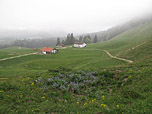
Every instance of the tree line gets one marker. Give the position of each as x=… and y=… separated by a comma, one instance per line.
x=70, y=39
x=38, y=43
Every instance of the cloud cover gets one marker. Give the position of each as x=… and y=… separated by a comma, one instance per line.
x=78, y=16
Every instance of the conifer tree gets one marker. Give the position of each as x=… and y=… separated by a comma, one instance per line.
x=95, y=39
x=58, y=41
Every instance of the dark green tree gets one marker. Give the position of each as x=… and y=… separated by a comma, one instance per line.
x=67, y=42
x=70, y=39
x=58, y=41
x=63, y=42
x=87, y=39
x=81, y=39
x=95, y=40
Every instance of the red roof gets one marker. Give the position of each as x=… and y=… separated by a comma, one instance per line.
x=46, y=49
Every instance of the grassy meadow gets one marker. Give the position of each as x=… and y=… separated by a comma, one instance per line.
x=81, y=81
x=14, y=51
x=70, y=57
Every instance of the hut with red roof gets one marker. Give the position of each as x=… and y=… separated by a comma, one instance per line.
x=46, y=50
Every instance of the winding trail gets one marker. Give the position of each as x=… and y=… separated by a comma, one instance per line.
x=139, y=45
x=133, y=48
x=122, y=59
x=17, y=56
x=118, y=58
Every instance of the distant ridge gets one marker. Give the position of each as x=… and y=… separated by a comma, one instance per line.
x=119, y=29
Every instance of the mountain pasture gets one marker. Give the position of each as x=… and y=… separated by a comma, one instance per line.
x=81, y=80
x=70, y=58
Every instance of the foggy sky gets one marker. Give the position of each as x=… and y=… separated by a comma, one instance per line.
x=78, y=16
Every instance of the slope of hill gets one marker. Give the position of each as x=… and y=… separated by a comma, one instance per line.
x=133, y=44
x=119, y=29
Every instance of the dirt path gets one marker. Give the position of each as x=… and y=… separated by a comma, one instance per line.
x=133, y=48
x=122, y=59
x=17, y=56
x=139, y=45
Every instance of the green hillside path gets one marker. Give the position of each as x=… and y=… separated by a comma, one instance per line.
x=17, y=56
x=122, y=59
x=118, y=58
x=133, y=48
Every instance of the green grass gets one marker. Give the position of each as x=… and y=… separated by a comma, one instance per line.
x=76, y=59
x=14, y=51
x=116, y=87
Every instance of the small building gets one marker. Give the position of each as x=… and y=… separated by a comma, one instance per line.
x=47, y=50
x=60, y=45
x=79, y=44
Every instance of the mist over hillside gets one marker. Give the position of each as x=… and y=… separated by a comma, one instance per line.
x=116, y=30
x=40, y=38
x=29, y=34
x=29, y=38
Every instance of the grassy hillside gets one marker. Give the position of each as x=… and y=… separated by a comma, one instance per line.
x=81, y=81
x=133, y=44
x=119, y=29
